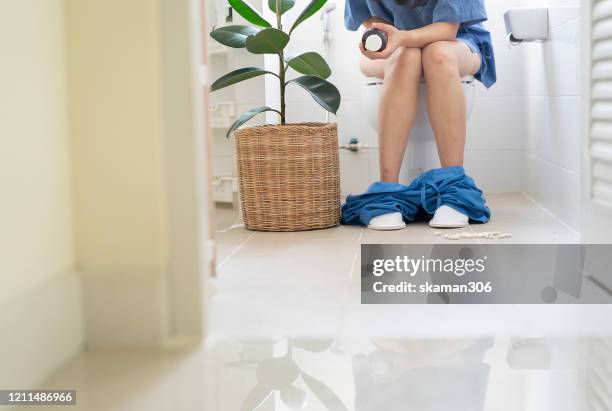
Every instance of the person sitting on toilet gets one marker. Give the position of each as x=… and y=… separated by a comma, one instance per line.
x=440, y=41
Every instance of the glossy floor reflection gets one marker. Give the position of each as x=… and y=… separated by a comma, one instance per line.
x=296, y=372
x=293, y=373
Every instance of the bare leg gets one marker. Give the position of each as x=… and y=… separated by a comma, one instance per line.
x=444, y=63
x=402, y=73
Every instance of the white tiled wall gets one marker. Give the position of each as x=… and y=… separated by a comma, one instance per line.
x=552, y=146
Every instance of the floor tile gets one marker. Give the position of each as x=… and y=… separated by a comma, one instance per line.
x=225, y=216
x=269, y=257
x=531, y=232
x=229, y=241
x=335, y=233
x=296, y=269
x=415, y=233
x=515, y=207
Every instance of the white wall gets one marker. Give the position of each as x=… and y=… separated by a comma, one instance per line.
x=36, y=233
x=140, y=168
x=116, y=108
x=552, y=157
x=39, y=291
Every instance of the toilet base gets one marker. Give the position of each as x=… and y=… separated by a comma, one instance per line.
x=421, y=156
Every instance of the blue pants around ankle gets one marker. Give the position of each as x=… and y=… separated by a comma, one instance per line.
x=444, y=186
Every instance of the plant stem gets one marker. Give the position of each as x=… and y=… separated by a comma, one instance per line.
x=281, y=68
x=281, y=64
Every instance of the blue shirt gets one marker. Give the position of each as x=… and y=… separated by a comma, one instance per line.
x=468, y=13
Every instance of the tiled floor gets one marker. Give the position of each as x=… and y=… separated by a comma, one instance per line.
x=363, y=374
x=290, y=271
x=512, y=213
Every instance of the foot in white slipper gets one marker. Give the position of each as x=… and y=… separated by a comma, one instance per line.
x=388, y=222
x=446, y=217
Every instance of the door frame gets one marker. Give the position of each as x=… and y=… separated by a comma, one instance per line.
x=188, y=170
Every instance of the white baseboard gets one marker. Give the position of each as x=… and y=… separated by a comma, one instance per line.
x=124, y=310
x=40, y=331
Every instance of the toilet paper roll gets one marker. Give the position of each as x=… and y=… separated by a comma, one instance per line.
x=513, y=41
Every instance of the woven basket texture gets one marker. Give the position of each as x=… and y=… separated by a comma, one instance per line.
x=289, y=176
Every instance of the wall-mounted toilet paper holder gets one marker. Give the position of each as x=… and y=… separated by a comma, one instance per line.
x=527, y=24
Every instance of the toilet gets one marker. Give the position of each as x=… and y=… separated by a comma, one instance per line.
x=421, y=154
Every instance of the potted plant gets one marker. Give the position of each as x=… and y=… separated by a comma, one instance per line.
x=289, y=174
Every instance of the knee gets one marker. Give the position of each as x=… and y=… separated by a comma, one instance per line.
x=439, y=57
x=406, y=60
x=368, y=70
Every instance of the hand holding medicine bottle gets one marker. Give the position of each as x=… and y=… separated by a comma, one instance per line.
x=380, y=40
x=374, y=40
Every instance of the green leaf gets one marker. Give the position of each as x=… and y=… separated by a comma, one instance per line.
x=234, y=36
x=267, y=41
x=246, y=117
x=237, y=76
x=324, y=92
x=310, y=64
x=284, y=5
x=312, y=8
x=249, y=13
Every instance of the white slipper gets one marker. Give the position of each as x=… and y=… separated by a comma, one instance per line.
x=388, y=222
x=446, y=217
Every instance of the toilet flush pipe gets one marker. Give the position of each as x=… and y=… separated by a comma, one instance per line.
x=355, y=148
x=327, y=36
x=325, y=18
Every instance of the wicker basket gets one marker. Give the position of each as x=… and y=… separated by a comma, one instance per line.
x=289, y=176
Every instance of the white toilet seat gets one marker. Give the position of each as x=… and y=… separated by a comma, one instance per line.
x=375, y=81
x=372, y=87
